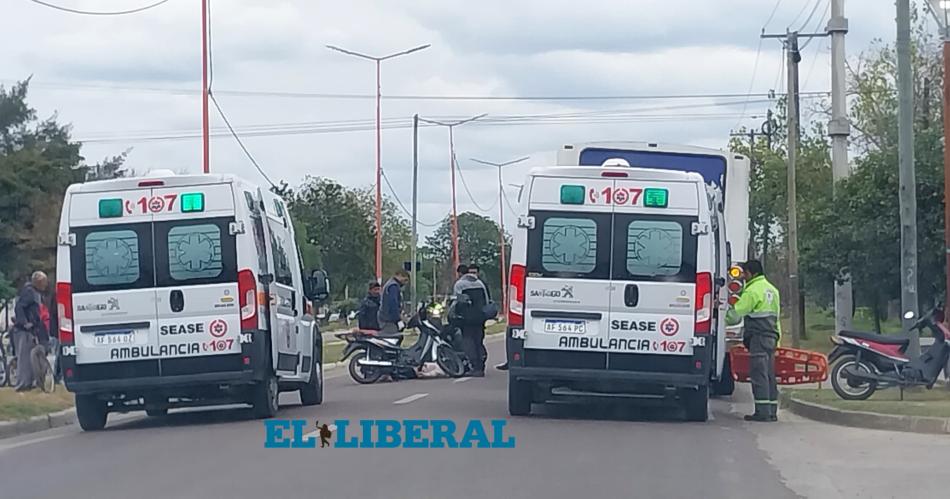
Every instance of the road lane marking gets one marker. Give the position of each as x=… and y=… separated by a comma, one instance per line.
x=4, y=448
x=461, y=380
x=411, y=398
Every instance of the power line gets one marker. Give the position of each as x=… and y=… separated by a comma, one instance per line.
x=508, y=201
x=817, y=26
x=458, y=168
x=810, y=15
x=240, y=142
x=403, y=206
x=99, y=13
x=797, y=17
x=778, y=3
x=755, y=69
x=423, y=97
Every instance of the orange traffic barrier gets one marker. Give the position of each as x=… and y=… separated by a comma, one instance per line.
x=792, y=366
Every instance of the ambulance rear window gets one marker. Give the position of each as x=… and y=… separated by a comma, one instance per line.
x=112, y=257
x=194, y=252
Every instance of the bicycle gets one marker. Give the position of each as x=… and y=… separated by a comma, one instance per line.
x=7, y=360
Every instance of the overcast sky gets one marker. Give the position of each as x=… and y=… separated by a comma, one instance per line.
x=479, y=48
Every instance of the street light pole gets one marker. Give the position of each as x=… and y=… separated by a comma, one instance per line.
x=501, y=229
x=941, y=12
x=379, y=167
x=455, y=224
x=205, y=127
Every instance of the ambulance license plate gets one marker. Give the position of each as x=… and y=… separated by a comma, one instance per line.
x=569, y=327
x=118, y=338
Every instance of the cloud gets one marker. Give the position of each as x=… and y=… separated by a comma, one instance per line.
x=553, y=47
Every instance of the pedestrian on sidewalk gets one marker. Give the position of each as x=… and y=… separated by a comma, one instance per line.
x=29, y=329
x=760, y=306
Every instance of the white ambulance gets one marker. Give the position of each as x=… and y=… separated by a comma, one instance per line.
x=183, y=290
x=616, y=287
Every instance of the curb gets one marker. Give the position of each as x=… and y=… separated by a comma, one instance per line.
x=862, y=419
x=37, y=423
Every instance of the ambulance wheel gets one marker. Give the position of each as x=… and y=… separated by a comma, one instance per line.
x=725, y=385
x=312, y=392
x=519, y=397
x=264, y=397
x=91, y=412
x=696, y=403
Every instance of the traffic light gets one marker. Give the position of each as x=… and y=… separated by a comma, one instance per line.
x=736, y=284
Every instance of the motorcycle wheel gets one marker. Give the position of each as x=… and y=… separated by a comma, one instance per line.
x=364, y=375
x=847, y=389
x=449, y=361
x=3, y=371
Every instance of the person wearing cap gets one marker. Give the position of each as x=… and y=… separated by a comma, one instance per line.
x=760, y=306
x=369, y=308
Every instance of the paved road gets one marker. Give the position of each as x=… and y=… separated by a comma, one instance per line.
x=612, y=451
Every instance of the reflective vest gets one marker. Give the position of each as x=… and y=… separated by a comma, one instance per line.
x=761, y=307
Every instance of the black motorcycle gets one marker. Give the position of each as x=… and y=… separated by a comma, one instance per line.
x=865, y=362
x=373, y=356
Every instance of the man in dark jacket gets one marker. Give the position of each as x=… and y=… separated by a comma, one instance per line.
x=369, y=308
x=390, y=305
x=473, y=317
x=29, y=329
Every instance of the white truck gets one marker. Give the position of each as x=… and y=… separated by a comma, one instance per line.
x=726, y=170
x=183, y=290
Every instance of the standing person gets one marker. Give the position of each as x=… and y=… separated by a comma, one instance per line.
x=473, y=317
x=368, y=313
x=390, y=305
x=759, y=305
x=29, y=328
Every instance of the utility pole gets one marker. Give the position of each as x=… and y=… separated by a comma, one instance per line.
x=501, y=228
x=455, y=223
x=839, y=128
x=941, y=12
x=908, y=184
x=379, y=164
x=794, y=56
x=205, y=130
x=415, y=208
x=795, y=288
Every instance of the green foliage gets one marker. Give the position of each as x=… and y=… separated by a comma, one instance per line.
x=478, y=243
x=38, y=160
x=7, y=291
x=857, y=227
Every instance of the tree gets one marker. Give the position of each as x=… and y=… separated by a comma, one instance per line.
x=334, y=222
x=478, y=243
x=860, y=230
x=38, y=160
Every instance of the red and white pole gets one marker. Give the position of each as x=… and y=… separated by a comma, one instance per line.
x=501, y=237
x=379, y=175
x=205, y=137
x=455, y=220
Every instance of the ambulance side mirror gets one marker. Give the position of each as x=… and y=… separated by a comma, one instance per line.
x=318, y=286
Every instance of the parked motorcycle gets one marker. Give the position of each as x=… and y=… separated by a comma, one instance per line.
x=373, y=356
x=865, y=362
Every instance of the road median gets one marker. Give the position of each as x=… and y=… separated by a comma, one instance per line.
x=917, y=416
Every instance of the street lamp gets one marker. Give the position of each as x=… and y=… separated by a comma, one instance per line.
x=941, y=12
x=501, y=228
x=455, y=223
x=379, y=168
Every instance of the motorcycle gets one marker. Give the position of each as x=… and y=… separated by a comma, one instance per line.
x=864, y=362
x=373, y=356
